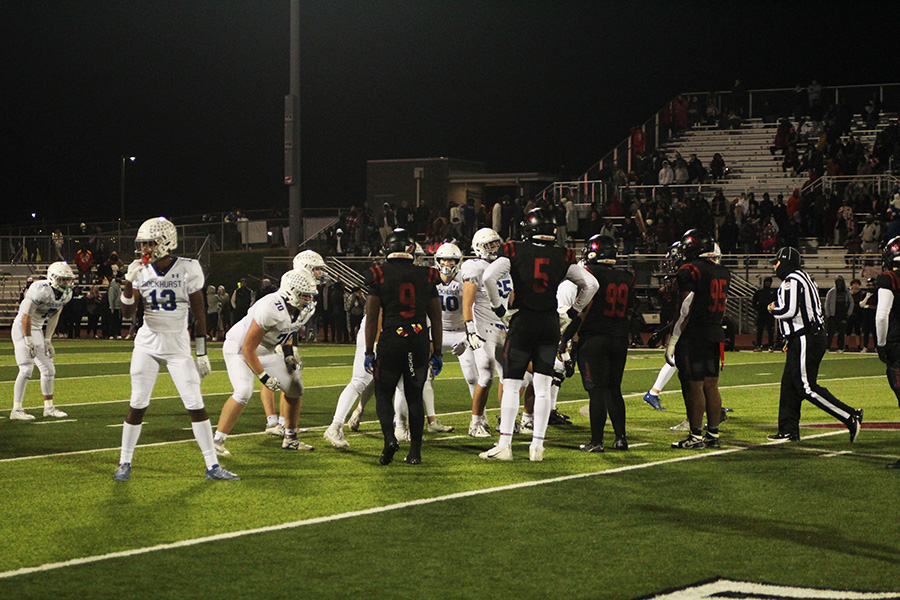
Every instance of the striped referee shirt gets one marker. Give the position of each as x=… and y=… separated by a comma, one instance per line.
x=798, y=308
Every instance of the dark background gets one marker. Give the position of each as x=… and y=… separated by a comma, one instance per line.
x=195, y=89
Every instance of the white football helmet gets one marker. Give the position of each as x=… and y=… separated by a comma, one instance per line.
x=60, y=276
x=161, y=237
x=448, y=252
x=715, y=255
x=298, y=288
x=310, y=261
x=485, y=243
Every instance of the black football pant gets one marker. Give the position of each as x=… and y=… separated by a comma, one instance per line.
x=601, y=362
x=893, y=368
x=798, y=383
x=403, y=358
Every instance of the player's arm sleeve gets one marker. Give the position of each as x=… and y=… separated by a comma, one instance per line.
x=198, y=308
x=686, y=301
x=496, y=271
x=587, y=286
x=882, y=315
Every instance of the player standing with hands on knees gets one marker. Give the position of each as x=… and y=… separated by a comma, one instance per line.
x=167, y=286
x=403, y=295
x=798, y=311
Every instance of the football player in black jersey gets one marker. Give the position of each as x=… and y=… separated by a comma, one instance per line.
x=403, y=294
x=695, y=346
x=603, y=341
x=887, y=318
x=536, y=266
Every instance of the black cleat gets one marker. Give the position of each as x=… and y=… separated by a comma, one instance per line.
x=620, y=444
x=691, y=442
x=387, y=455
x=557, y=418
x=791, y=437
x=711, y=441
x=413, y=460
x=855, y=424
x=591, y=447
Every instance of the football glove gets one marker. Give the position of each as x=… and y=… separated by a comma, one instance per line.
x=49, y=350
x=269, y=381
x=499, y=311
x=882, y=353
x=29, y=346
x=370, y=363
x=437, y=364
x=459, y=348
x=475, y=340
x=292, y=359
x=203, y=366
x=133, y=270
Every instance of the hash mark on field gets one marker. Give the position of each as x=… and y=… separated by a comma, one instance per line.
x=371, y=511
x=123, y=424
x=54, y=421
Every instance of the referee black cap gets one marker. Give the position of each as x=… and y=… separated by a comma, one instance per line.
x=787, y=255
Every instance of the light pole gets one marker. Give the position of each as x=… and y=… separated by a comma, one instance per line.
x=122, y=196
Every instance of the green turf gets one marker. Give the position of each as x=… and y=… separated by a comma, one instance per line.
x=616, y=525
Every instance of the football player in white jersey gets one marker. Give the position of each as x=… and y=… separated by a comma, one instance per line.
x=251, y=352
x=311, y=262
x=168, y=286
x=41, y=306
x=485, y=331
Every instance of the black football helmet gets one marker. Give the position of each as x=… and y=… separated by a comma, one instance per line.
x=399, y=245
x=695, y=242
x=539, y=226
x=890, y=254
x=600, y=249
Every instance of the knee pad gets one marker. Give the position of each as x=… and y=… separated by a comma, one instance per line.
x=26, y=370
x=486, y=379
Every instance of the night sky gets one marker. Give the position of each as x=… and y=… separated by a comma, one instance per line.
x=194, y=88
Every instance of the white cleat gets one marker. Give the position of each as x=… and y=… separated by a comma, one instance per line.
x=353, y=423
x=497, y=453
x=18, y=414
x=437, y=427
x=292, y=443
x=54, y=412
x=683, y=426
x=276, y=430
x=220, y=449
x=478, y=430
x=402, y=434
x=535, y=453
x=335, y=435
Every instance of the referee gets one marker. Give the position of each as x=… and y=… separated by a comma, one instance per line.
x=798, y=311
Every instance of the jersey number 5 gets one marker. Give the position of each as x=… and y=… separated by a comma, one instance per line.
x=541, y=278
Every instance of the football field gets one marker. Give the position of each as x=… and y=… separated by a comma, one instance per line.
x=821, y=513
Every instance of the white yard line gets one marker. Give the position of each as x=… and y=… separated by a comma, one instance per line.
x=370, y=511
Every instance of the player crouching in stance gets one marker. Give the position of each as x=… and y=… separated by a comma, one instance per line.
x=251, y=352
x=41, y=305
x=404, y=295
x=167, y=286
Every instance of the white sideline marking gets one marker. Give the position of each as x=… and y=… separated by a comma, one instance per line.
x=54, y=421
x=123, y=424
x=370, y=511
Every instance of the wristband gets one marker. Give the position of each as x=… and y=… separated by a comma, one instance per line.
x=126, y=301
x=200, y=345
x=263, y=377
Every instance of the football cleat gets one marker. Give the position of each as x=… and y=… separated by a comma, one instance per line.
x=855, y=424
x=276, y=430
x=387, y=454
x=123, y=472
x=591, y=447
x=497, y=453
x=220, y=448
x=791, y=437
x=52, y=411
x=437, y=427
x=413, y=460
x=217, y=472
x=711, y=441
x=691, y=442
x=653, y=400
x=527, y=422
x=478, y=430
x=535, y=453
x=557, y=418
x=335, y=435
x=18, y=414
x=402, y=434
x=292, y=443
x=683, y=426
x=620, y=444
x=353, y=423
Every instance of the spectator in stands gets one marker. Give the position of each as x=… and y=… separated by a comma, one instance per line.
x=387, y=221
x=790, y=165
x=768, y=236
x=680, y=114
x=338, y=314
x=845, y=224
x=666, y=174
x=84, y=260
x=800, y=102
x=630, y=234
x=781, y=136
x=324, y=310
x=355, y=307
x=731, y=120
x=638, y=141
x=75, y=313
x=793, y=205
x=212, y=313
x=837, y=309
x=696, y=171
x=608, y=229
x=854, y=323
x=868, y=305
x=717, y=167
x=224, y=301
x=113, y=325
x=58, y=243
x=871, y=234
x=571, y=217
x=351, y=229
x=712, y=109
x=728, y=234
x=593, y=225
x=241, y=300
x=872, y=112
x=814, y=94
x=681, y=173
x=92, y=309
